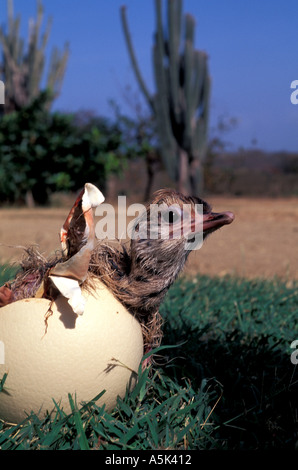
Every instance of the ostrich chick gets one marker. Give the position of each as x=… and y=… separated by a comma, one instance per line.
x=139, y=277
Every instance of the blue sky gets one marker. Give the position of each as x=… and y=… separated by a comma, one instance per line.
x=253, y=58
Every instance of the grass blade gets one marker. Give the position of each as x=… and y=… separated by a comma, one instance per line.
x=83, y=441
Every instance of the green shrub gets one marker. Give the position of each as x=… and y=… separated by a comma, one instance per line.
x=43, y=152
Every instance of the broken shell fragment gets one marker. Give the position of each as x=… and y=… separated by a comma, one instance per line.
x=78, y=241
x=78, y=227
x=71, y=290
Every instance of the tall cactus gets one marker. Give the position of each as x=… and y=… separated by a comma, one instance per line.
x=22, y=71
x=181, y=102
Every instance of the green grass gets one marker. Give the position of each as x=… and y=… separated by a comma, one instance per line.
x=222, y=380
x=7, y=272
x=239, y=332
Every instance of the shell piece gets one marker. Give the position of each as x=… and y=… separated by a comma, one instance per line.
x=77, y=239
x=90, y=197
x=71, y=290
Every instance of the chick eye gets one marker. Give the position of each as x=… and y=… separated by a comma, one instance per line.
x=171, y=216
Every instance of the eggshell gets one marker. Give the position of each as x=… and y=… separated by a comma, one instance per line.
x=81, y=355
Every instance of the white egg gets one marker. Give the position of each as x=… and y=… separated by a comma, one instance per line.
x=77, y=354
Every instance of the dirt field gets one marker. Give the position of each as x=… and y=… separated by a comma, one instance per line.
x=261, y=242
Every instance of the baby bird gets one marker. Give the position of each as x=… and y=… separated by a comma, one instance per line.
x=140, y=276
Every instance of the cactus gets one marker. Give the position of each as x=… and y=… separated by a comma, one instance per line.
x=181, y=102
x=22, y=71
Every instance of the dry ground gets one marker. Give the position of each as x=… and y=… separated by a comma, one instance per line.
x=261, y=242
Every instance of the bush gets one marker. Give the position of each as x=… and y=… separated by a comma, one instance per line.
x=43, y=152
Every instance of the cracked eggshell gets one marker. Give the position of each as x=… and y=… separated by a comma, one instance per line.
x=81, y=355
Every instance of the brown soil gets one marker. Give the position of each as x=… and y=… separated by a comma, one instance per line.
x=261, y=242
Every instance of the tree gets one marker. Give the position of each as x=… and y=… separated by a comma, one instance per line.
x=180, y=104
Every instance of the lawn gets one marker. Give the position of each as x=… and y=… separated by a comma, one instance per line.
x=223, y=378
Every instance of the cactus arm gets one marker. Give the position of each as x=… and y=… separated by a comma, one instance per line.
x=174, y=22
x=133, y=59
x=162, y=101
x=167, y=141
x=58, y=62
x=189, y=28
x=35, y=57
x=200, y=72
x=188, y=95
x=191, y=88
x=200, y=135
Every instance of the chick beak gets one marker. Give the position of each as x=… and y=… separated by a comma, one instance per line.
x=210, y=221
x=214, y=220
